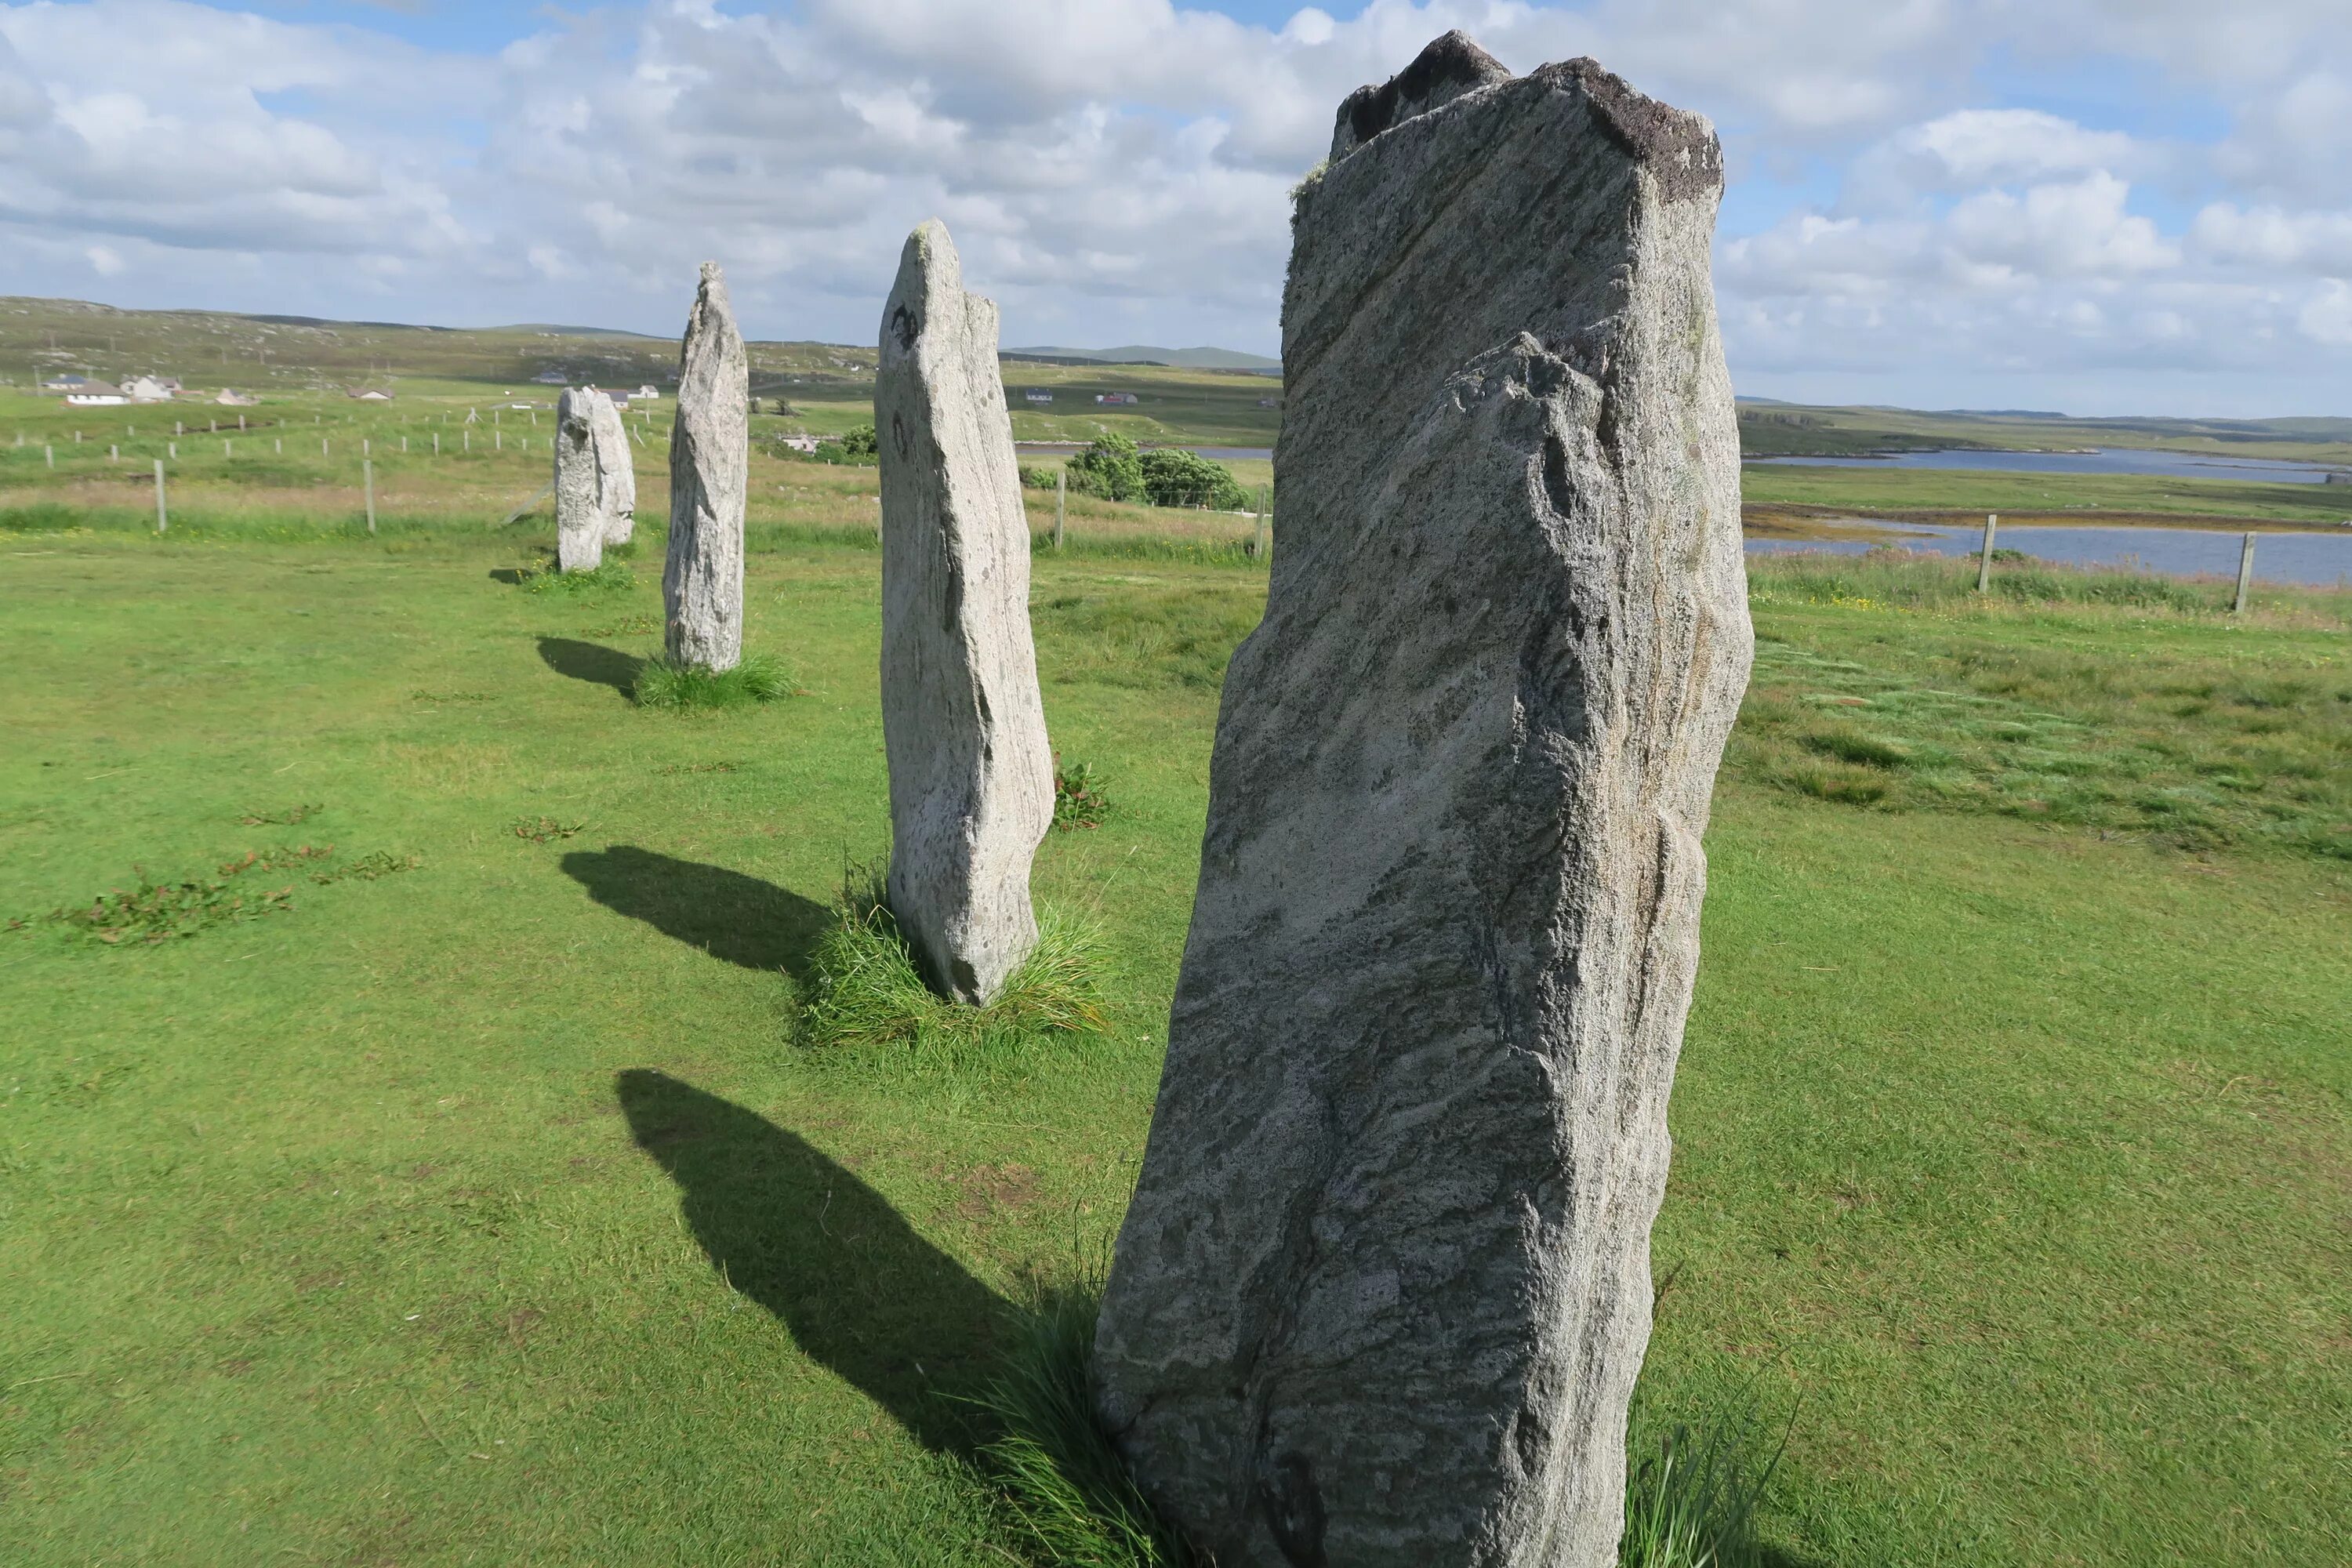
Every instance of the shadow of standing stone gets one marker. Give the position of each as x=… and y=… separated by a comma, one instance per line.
x=804, y=1238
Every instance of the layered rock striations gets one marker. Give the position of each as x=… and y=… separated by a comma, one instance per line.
x=971, y=775
x=702, y=578
x=1384, y=1287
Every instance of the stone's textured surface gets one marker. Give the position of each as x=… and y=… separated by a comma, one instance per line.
x=1384, y=1286
x=709, y=454
x=596, y=483
x=1442, y=73
x=616, y=472
x=579, y=493
x=971, y=775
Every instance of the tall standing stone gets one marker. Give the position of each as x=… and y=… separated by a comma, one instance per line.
x=971, y=775
x=709, y=454
x=580, y=521
x=616, y=473
x=1384, y=1287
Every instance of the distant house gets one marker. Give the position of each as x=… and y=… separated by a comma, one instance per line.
x=236, y=399
x=648, y=393
x=371, y=394
x=70, y=383
x=1116, y=397
x=802, y=443
x=1034, y=395
x=94, y=394
x=551, y=378
x=151, y=389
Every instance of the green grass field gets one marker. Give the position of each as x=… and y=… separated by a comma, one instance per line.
x=486, y=1203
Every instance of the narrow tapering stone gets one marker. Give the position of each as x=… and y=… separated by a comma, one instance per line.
x=579, y=491
x=971, y=775
x=1384, y=1287
x=702, y=578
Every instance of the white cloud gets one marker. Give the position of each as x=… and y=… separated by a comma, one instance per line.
x=104, y=261
x=2327, y=316
x=2069, y=230
x=2272, y=236
x=1118, y=170
x=1972, y=147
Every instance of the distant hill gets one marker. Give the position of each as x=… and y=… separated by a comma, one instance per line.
x=282, y=353
x=549, y=330
x=1144, y=353
x=1770, y=428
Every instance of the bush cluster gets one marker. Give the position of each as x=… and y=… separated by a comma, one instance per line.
x=1111, y=468
x=1114, y=469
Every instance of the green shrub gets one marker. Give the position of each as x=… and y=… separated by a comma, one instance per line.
x=1174, y=476
x=1078, y=798
x=681, y=688
x=40, y=517
x=1111, y=468
x=860, y=445
x=1038, y=479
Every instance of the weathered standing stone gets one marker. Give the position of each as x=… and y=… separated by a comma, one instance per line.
x=971, y=775
x=616, y=474
x=1384, y=1286
x=579, y=490
x=709, y=453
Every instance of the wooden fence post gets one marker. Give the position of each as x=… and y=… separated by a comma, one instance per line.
x=1061, y=504
x=2245, y=573
x=367, y=482
x=1258, y=547
x=162, y=513
x=1984, y=558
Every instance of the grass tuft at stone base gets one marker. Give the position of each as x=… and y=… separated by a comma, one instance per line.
x=690, y=688
x=612, y=577
x=869, y=992
x=1063, y=1491
x=1694, y=1487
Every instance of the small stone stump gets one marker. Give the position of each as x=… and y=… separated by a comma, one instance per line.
x=580, y=520
x=971, y=775
x=1384, y=1287
x=709, y=456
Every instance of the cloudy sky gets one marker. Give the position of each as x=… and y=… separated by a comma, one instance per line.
x=2099, y=205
